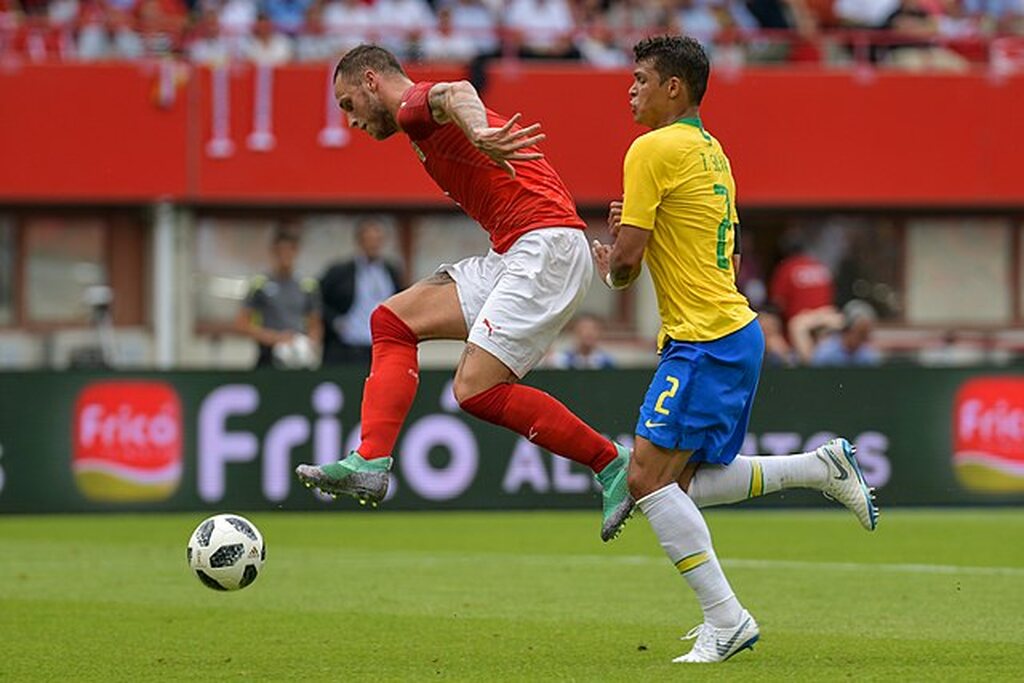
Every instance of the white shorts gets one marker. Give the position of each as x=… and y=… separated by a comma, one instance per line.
x=516, y=303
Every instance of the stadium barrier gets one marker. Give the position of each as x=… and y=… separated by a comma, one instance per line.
x=241, y=135
x=215, y=441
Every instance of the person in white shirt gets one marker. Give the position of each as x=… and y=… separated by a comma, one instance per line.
x=267, y=45
x=445, y=44
x=543, y=28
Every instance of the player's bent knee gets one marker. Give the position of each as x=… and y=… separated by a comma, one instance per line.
x=465, y=388
x=386, y=325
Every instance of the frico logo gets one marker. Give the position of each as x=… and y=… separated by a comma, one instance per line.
x=127, y=441
x=988, y=439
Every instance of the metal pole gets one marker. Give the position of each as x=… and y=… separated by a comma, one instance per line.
x=164, y=258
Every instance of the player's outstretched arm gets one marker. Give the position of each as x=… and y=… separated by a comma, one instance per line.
x=458, y=102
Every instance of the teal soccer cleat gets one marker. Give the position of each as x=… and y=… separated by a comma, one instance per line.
x=364, y=480
x=617, y=503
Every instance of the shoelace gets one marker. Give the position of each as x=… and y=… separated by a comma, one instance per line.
x=693, y=632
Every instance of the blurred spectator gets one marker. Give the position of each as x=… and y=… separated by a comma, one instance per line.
x=60, y=12
x=800, y=282
x=347, y=23
x=474, y=19
x=705, y=19
x=402, y=23
x=586, y=352
x=206, y=46
x=126, y=43
x=632, y=19
x=806, y=329
x=237, y=19
x=267, y=46
x=159, y=24
x=599, y=47
x=852, y=344
x=312, y=44
x=956, y=350
x=542, y=29
x=444, y=44
x=750, y=278
x=777, y=351
x=93, y=37
x=288, y=16
x=864, y=13
x=280, y=306
x=698, y=19
x=919, y=20
x=351, y=290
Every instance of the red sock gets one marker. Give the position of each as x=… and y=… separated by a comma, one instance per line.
x=542, y=419
x=391, y=385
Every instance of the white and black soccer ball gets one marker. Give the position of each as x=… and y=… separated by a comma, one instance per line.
x=226, y=552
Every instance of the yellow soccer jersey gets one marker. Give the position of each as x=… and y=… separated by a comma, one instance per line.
x=678, y=184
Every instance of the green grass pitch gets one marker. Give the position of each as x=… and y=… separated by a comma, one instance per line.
x=933, y=595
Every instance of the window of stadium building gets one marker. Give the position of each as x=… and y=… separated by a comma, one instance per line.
x=64, y=257
x=863, y=255
x=6, y=271
x=230, y=250
x=444, y=239
x=959, y=271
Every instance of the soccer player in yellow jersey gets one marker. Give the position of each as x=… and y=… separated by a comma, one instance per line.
x=678, y=214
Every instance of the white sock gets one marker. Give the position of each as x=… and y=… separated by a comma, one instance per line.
x=753, y=476
x=686, y=540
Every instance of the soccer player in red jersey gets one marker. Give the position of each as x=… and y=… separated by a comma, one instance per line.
x=508, y=305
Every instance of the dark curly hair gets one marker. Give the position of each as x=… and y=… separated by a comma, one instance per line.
x=679, y=56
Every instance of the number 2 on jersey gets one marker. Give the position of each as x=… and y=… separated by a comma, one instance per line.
x=659, y=407
x=724, y=227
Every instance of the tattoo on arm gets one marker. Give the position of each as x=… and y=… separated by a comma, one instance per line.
x=438, y=279
x=458, y=102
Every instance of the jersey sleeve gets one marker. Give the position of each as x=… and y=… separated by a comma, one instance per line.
x=311, y=300
x=414, y=116
x=642, y=185
x=255, y=298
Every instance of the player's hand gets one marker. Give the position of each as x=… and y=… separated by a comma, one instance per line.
x=602, y=257
x=614, y=218
x=503, y=145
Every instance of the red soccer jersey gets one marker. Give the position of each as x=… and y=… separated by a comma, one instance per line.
x=801, y=283
x=506, y=207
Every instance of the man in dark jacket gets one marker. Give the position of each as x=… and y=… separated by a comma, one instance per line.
x=350, y=290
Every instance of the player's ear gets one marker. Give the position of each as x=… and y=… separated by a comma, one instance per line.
x=370, y=80
x=676, y=87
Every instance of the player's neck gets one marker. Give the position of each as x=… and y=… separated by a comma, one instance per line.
x=679, y=115
x=391, y=93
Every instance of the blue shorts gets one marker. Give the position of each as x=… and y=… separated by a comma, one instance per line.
x=702, y=393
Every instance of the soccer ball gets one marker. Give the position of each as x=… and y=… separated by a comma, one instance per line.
x=226, y=552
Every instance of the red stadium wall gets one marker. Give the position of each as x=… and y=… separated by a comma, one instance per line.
x=137, y=132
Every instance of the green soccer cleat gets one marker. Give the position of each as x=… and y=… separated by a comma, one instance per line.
x=364, y=480
x=617, y=503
